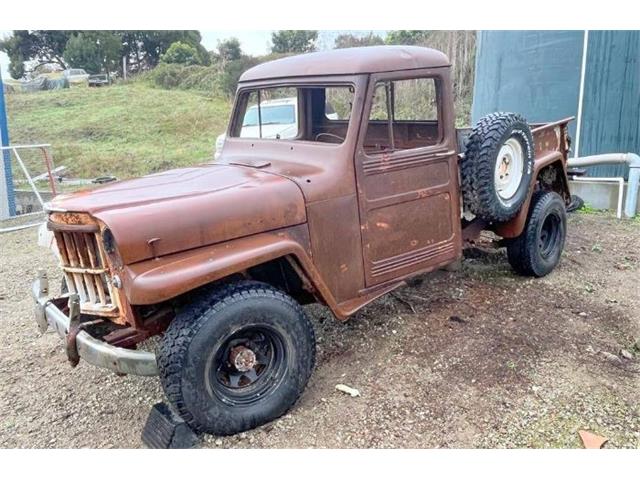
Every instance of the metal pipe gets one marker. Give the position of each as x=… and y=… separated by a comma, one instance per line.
x=631, y=159
x=19, y=227
x=37, y=145
x=26, y=173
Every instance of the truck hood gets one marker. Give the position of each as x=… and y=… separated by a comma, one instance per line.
x=188, y=208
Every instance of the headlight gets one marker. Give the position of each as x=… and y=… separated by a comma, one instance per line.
x=108, y=241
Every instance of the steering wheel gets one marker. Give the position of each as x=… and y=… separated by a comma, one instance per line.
x=330, y=135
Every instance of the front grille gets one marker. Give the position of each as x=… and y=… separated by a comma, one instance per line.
x=85, y=270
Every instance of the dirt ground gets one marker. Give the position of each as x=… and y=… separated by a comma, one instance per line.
x=473, y=358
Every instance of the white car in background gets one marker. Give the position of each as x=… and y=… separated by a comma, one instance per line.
x=76, y=76
x=279, y=119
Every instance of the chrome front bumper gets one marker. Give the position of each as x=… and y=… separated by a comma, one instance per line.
x=90, y=349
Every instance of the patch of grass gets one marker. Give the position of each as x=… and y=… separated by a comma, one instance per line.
x=586, y=208
x=124, y=130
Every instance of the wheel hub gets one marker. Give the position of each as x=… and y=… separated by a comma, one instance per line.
x=242, y=358
x=509, y=169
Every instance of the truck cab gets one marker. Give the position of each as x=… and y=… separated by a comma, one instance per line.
x=371, y=184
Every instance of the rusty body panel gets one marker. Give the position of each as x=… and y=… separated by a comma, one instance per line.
x=206, y=205
x=551, y=142
x=408, y=199
x=349, y=61
x=353, y=225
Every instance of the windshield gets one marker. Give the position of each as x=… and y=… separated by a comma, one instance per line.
x=271, y=115
x=312, y=113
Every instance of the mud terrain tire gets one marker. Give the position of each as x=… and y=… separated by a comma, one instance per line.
x=537, y=250
x=497, y=167
x=236, y=358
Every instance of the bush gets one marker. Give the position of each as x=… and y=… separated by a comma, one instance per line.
x=220, y=79
x=227, y=81
x=184, y=77
x=182, y=53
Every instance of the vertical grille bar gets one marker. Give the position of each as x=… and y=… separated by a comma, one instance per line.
x=93, y=254
x=74, y=262
x=62, y=250
x=83, y=258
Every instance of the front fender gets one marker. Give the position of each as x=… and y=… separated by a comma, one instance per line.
x=160, y=279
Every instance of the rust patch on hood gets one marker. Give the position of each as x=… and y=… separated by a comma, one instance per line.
x=188, y=208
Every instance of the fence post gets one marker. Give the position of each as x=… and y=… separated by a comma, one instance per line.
x=7, y=195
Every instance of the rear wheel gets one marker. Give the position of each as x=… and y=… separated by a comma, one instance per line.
x=236, y=358
x=537, y=250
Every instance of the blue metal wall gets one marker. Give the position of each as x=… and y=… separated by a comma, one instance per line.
x=537, y=73
x=6, y=156
x=611, y=105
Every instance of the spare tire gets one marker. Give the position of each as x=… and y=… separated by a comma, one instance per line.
x=497, y=166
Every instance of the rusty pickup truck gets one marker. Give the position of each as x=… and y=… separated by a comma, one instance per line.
x=340, y=177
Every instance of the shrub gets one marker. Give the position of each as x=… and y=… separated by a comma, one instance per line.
x=182, y=53
x=218, y=79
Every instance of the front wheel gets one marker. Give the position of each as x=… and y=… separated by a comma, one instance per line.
x=236, y=358
x=537, y=250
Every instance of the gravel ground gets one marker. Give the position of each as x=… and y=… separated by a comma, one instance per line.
x=472, y=358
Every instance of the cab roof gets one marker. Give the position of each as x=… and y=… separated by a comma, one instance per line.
x=349, y=61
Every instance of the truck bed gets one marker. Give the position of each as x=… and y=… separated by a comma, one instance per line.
x=543, y=133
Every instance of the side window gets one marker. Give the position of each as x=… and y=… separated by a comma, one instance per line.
x=415, y=100
x=379, y=105
x=404, y=115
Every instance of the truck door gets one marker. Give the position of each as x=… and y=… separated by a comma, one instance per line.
x=407, y=175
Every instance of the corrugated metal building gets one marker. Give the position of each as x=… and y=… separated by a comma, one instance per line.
x=539, y=74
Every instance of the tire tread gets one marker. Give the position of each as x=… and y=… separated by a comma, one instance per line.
x=520, y=250
x=477, y=167
x=172, y=353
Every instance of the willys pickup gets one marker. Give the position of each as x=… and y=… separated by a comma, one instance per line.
x=366, y=184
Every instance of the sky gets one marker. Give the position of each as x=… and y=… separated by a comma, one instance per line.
x=254, y=42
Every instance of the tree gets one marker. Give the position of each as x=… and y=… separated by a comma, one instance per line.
x=347, y=40
x=143, y=48
x=110, y=49
x=94, y=51
x=11, y=46
x=294, y=41
x=460, y=47
x=406, y=37
x=82, y=52
x=230, y=74
x=229, y=50
x=40, y=46
x=180, y=52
